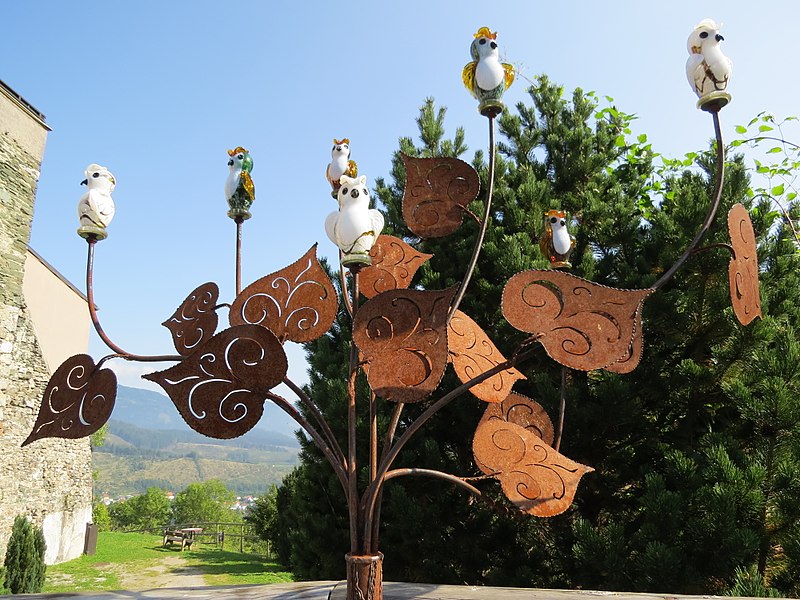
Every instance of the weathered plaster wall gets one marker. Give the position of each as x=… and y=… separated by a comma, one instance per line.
x=50, y=480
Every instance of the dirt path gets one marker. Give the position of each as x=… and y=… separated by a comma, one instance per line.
x=172, y=571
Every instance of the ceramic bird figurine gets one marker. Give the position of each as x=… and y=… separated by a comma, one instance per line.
x=708, y=69
x=96, y=207
x=239, y=189
x=340, y=164
x=556, y=243
x=355, y=226
x=486, y=77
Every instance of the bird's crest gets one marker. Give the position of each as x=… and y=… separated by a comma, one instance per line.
x=341, y=141
x=237, y=150
x=555, y=213
x=487, y=33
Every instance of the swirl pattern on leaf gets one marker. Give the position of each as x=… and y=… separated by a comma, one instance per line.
x=195, y=320
x=436, y=194
x=220, y=389
x=524, y=412
x=394, y=264
x=582, y=325
x=743, y=267
x=403, y=337
x=297, y=303
x=630, y=360
x=77, y=401
x=472, y=353
x=534, y=477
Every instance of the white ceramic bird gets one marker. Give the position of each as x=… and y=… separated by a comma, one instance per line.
x=486, y=77
x=340, y=164
x=707, y=68
x=355, y=226
x=556, y=243
x=96, y=207
x=240, y=192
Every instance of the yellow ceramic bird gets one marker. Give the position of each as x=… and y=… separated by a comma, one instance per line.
x=486, y=77
x=340, y=164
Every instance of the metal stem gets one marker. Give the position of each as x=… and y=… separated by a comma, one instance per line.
x=373, y=437
x=239, y=222
x=345, y=292
x=436, y=474
x=372, y=491
x=352, y=474
x=562, y=409
x=314, y=409
x=712, y=210
x=482, y=231
x=96, y=320
x=290, y=410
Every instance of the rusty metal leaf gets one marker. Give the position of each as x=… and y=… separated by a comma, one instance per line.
x=77, y=401
x=524, y=412
x=630, y=360
x=220, y=389
x=403, y=337
x=743, y=268
x=437, y=192
x=472, y=353
x=394, y=264
x=297, y=303
x=534, y=477
x=581, y=324
x=195, y=320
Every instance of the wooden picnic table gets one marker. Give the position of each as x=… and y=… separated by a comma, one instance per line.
x=183, y=536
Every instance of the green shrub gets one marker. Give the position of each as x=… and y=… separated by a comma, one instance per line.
x=24, y=563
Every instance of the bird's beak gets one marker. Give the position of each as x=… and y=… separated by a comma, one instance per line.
x=230, y=162
x=85, y=182
x=113, y=181
x=720, y=38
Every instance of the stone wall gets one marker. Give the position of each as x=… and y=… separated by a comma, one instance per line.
x=49, y=480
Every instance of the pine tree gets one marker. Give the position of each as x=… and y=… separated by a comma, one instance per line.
x=694, y=450
x=24, y=562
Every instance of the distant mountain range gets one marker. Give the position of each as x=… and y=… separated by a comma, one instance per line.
x=149, y=444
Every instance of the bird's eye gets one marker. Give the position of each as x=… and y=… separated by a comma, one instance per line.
x=344, y=191
x=553, y=220
x=240, y=156
x=95, y=175
x=703, y=34
x=493, y=45
x=365, y=191
x=482, y=41
x=563, y=222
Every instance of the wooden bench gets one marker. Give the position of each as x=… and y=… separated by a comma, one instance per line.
x=176, y=535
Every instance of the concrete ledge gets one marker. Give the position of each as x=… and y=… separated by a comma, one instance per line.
x=336, y=590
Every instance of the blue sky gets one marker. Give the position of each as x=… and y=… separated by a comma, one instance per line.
x=158, y=91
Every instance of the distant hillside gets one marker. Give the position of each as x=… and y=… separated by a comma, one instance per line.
x=148, y=444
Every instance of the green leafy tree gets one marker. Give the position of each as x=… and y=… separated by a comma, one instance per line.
x=693, y=451
x=100, y=516
x=24, y=561
x=205, y=502
x=150, y=510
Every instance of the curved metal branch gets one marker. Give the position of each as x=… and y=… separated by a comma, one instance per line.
x=318, y=417
x=561, y=409
x=290, y=410
x=712, y=210
x=436, y=474
x=371, y=493
x=96, y=320
x=482, y=232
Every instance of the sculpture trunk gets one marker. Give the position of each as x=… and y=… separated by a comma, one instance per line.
x=364, y=576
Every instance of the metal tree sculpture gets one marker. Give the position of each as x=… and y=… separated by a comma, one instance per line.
x=403, y=338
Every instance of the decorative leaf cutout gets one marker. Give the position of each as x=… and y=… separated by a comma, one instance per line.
x=219, y=390
x=472, y=353
x=536, y=478
x=581, y=324
x=630, y=360
x=524, y=412
x=297, y=303
x=403, y=336
x=77, y=401
x=436, y=194
x=195, y=321
x=743, y=268
x=393, y=266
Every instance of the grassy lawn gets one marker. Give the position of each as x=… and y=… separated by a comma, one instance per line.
x=120, y=553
